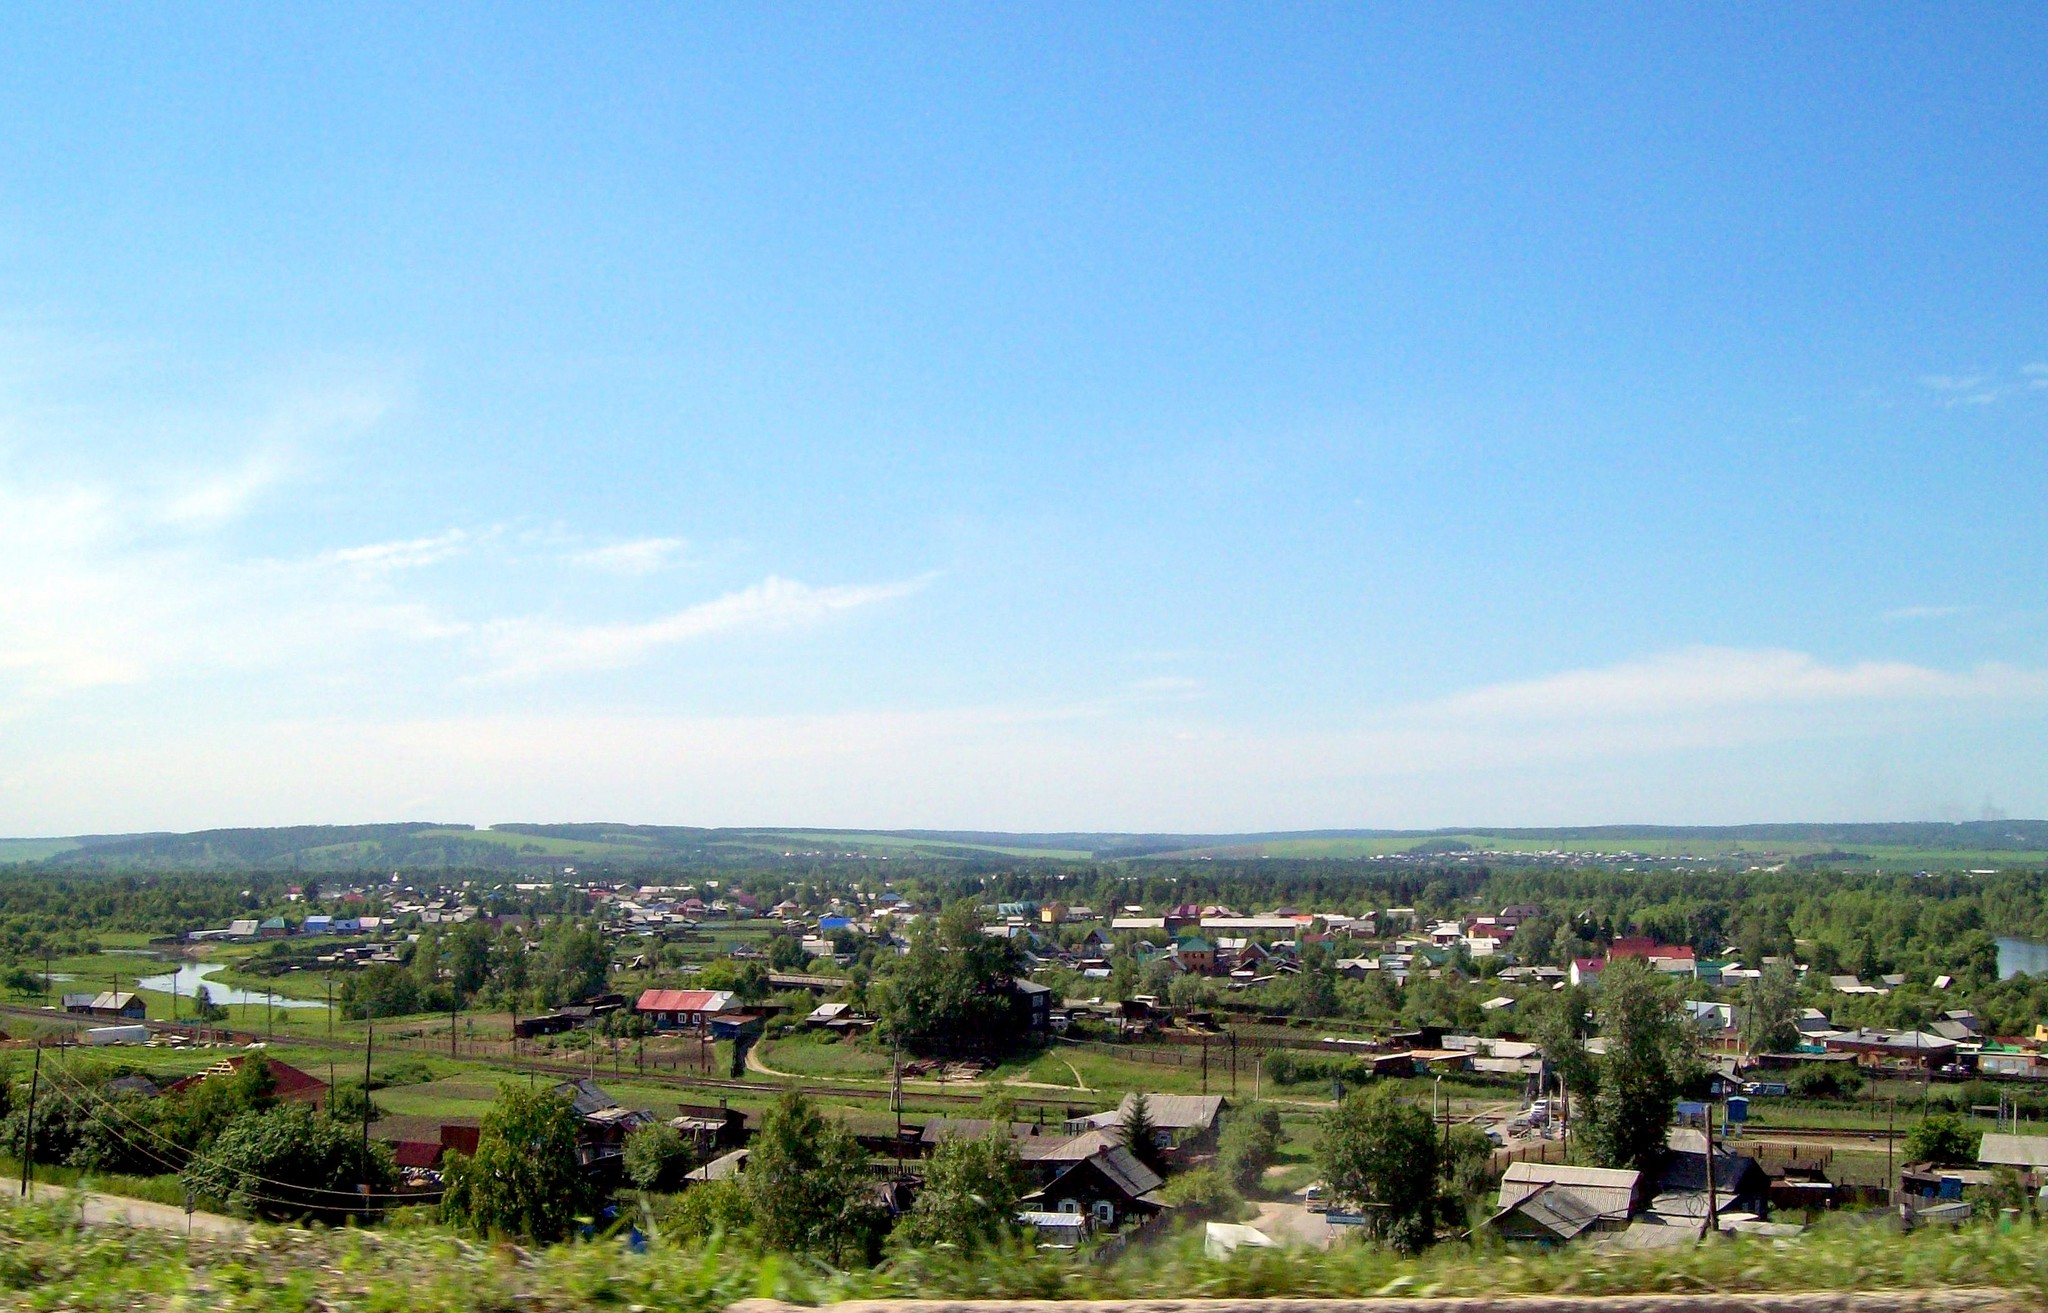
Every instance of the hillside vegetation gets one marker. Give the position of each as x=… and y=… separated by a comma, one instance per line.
x=431, y=845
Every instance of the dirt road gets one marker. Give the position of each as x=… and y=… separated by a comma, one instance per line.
x=119, y=1210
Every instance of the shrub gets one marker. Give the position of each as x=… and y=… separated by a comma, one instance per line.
x=657, y=1157
x=1202, y=1194
x=291, y=1162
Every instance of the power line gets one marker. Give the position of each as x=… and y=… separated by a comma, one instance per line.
x=93, y=1103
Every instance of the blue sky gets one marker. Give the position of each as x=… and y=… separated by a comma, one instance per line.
x=1127, y=417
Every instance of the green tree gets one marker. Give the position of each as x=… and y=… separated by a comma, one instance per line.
x=1644, y=1068
x=353, y=1105
x=525, y=1179
x=1248, y=1144
x=969, y=1199
x=807, y=1181
x=1941, y=1139
x=1468, y=1172
x=956, y=987
x=1560, y=1027
x=657, y=1157
x=1535, y=940
x=1201, y=1193
x=1379, y=1151
x=204, y=1008
x=1770, y=1022
x=289, y=1161
x=1140, y=1134
x=787, y=953
x=710, y=1208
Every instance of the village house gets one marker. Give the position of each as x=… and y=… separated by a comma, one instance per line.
x=108, y=1005
x=1184, y=1123
x=1109, y=1187
x=289, y=1083
x=1551, y=1203
x=682, y=1009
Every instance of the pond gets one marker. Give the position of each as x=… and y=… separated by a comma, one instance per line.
x=187, y=979
x=2021, y=957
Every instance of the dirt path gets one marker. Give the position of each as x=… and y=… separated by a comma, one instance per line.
x=119, y=1210
x=912, y=1085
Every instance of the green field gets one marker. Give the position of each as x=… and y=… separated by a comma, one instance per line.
x=1724, y=851
x=33, y=850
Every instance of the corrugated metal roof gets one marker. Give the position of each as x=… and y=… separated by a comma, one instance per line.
x=1175, y=1112
x=1558, y=1209
x=722, y=1168
x=1610, y=1191
x=586, y=1095
x=1065, y=1149
x=1999, y=1150
x=1122, y=1166
x=683, y=1000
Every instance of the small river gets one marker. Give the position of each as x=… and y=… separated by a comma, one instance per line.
x=2021, y=957
x=187, y=979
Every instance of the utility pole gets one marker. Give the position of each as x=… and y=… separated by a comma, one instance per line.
x=369, y=1047
x=28, y=1129
x=1444, y=1133
x=1707, y=1224
x=1891, y=1112
x=1205, y=1066
x=330, y=1004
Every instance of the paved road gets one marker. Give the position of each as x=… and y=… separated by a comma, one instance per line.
x=118, y=1210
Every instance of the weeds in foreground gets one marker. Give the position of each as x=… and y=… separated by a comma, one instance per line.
x=48, y=1262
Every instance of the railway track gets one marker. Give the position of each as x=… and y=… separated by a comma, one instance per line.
x=914, y=1091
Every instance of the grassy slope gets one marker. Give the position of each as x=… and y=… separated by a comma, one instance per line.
x=1902, y=846
x=33, y=850
x=1762, y=851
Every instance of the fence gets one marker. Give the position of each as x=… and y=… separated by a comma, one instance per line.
x=1543, y=1151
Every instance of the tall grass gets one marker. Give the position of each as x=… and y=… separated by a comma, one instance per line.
x=47, y=1262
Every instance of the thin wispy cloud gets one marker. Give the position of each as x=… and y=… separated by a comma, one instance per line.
x=1167, y=687
x=221, y=496
x=1902, y=613
x=1985, y=388
x=403, y=554
x=1718, y=678
x=638, y=556
x=531, y=648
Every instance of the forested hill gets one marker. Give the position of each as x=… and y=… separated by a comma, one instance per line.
x=430, y=845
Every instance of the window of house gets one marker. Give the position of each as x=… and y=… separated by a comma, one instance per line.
x=1105, y=1212
x=1070, y=1205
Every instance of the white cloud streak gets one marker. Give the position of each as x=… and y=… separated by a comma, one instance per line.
x=531, y=648
x=1900, y=613
x=1713, y=679
x=1985, y=388
x=404, y=554
x=1704, y=735
x=639, y=556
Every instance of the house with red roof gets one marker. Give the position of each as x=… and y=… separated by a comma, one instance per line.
x=682, y=1009
x=291, y=1084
